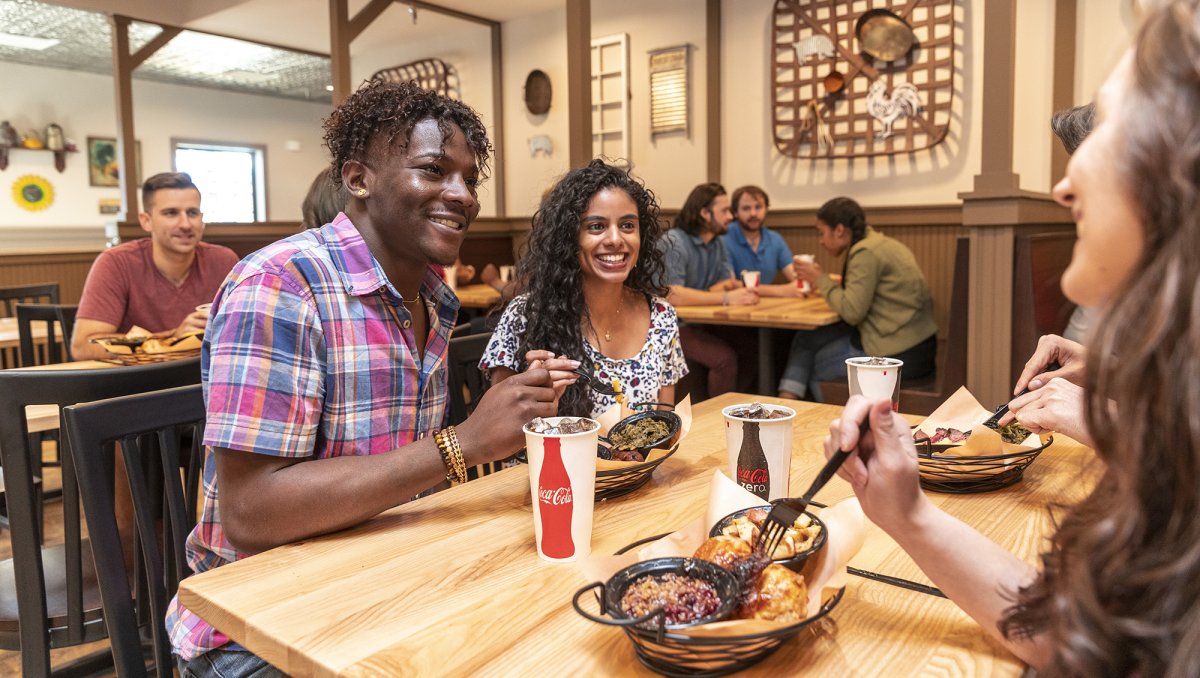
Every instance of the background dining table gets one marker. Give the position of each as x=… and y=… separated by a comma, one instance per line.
x=769, y=314
x=10, y=340
x=451, y=583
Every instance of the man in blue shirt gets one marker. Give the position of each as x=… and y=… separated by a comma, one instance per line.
x=698, y=274
x=754, y=247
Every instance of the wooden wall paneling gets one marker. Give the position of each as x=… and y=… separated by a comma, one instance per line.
x=68, y=269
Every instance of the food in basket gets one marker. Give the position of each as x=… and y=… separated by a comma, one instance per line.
x=724, y=551
x=683, y=599
x=565, y=426
x=796, y=539
x=758, y=411
x=1012, y=432
x=641, y=433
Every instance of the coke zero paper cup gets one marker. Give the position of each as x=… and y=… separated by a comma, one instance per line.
x=759, y=440
x=562, y=483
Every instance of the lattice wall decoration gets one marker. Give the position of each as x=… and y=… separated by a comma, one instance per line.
x=815, y=113
x=430, y=74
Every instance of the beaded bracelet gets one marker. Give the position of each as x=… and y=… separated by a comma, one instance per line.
x=452, y=456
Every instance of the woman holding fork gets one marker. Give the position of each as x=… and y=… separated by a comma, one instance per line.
x=591, y=273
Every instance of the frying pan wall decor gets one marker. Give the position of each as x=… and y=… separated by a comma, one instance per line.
x=825, y=106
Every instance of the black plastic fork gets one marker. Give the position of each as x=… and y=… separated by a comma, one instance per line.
x=598, y=385
x=784, y=512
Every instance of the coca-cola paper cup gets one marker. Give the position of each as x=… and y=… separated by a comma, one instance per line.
x=875, y=378
x=562, y=483
x=750, y=279
x=800, y=282
x=760, y=448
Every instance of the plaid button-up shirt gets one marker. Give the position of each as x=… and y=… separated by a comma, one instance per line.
x=302, y=358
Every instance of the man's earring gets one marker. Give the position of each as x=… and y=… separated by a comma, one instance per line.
x=362, y=193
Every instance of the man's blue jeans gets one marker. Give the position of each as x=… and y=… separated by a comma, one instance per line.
x=223, y=663
x=818, y=355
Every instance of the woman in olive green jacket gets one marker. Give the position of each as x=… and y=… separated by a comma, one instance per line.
x=882, y=298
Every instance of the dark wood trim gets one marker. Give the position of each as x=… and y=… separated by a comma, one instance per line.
x=579, y=81
x=365, y=16
x=450, y=12
x=498, y=118
x=156, y=43
x=999, y=82
x=123, y=89
x=712, y=74
x=339, y=49
x=1063, y=93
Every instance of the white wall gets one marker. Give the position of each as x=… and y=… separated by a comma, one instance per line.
x=82, y=103
x=536, y=41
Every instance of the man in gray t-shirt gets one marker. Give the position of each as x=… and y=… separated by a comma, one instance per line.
x=698, y=274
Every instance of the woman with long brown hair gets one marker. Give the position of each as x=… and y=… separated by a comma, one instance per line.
x=1118, y=590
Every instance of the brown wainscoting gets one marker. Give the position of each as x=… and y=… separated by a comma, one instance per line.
x=68, y=269
x=241, y=238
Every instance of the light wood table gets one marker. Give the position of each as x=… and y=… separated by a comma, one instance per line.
x=451, y=585
x=10, y=339
x=767, y=315
x=477, y=296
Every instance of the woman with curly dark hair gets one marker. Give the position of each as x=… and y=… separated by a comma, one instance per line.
x=1118, y=590
x=591, y=272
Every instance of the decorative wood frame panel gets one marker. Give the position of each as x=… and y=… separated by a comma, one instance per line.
x=610, y=96
x=670, y=90
x=810, y=122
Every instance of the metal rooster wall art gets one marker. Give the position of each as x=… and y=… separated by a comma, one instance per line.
x=885, y=108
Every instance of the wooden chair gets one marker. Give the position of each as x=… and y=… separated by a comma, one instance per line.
x=156, y=431
x=41, y=293
x=49, y=597
x=50, y=315
x=922, y=396
x=1039, y=305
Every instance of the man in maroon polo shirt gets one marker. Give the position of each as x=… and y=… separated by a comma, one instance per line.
x=155, y=283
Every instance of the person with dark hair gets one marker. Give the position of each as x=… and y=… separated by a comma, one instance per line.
x=325, y=199
x=325, y=367
x=1073, y=125
x=884, y=304
x=698, y=273
x=591, y=271
x=154, y=283
x=1117, y=589
x=754, y=247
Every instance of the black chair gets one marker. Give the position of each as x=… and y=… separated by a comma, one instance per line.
x=467, y=383
x=48, y=595
x=51, y=315
x=156, y=431
x=41, y=293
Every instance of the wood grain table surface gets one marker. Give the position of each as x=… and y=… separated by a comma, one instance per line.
x=773, y=313
x=451, y=584
x=477, y=296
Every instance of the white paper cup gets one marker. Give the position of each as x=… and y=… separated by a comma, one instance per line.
x=506, y=273
x=204, y=307
x=750, y=441
x=562, y=483
x=451, y=277
x=803, y=284
x=750, y=279
x=875, y=382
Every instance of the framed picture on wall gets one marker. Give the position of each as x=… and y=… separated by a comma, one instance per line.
x=104, y=162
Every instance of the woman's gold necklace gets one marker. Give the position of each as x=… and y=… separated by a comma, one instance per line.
x=620, y=303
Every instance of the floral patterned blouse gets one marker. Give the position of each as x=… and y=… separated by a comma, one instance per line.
x=660, y=362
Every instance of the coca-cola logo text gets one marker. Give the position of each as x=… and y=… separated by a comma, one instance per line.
x=753, y=476
x=556, y=497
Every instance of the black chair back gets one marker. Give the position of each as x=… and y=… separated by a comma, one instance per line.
x=41, y=293
x=467, y=383
x=51, y=315
x=158, y=432
x=57, y=601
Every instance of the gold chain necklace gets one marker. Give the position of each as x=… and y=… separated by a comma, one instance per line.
x=620, y=303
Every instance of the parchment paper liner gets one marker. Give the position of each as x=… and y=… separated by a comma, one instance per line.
x=609, y=418
x=162, y=342
x=963, y=412
x=824, y=572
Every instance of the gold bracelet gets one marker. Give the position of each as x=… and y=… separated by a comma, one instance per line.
x=452, y=456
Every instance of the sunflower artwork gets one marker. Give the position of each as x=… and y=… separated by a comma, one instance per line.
x=32, y=193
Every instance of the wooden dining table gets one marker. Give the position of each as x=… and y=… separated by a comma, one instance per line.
x=767, y=315
x=451, y=584
x=477, y=296
x=10, y=339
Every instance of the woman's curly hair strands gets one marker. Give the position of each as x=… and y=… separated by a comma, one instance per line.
x=373, y=118
x=549, y=271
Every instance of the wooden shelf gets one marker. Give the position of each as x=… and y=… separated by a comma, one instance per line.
x=60, y=157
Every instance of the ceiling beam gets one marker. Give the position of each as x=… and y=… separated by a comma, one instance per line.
x=123, y=89
x=365, y=16
x=579, y=82
x=158, y=42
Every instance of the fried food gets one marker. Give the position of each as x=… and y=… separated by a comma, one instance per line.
x=724, y=551
x=779, y=595
x=796, y=539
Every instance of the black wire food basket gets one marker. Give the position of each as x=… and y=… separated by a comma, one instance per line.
x=612, y=483
x=663, y=650
x=963, y=475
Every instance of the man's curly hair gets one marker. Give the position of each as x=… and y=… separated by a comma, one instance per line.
x=382, y=112
x=550, y=271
